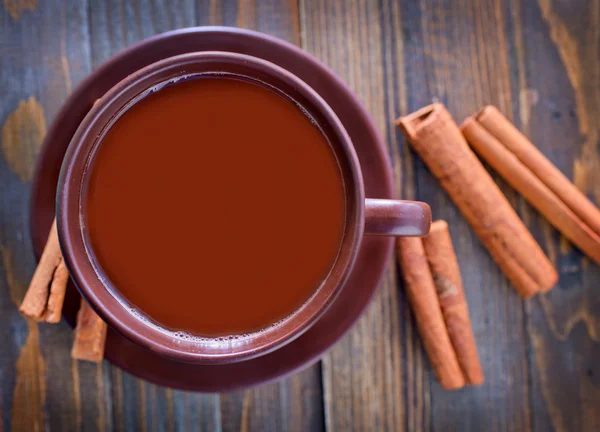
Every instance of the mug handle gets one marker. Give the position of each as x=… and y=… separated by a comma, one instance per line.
x=397, y=218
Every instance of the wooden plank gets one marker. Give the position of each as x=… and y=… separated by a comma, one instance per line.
x=115, y=25
x=294, y=403
x=373, y=373
x=44, y=51
x=558, y=50
x=427, y=49
x=538, y=62
x=459, y=54
x=195, y=412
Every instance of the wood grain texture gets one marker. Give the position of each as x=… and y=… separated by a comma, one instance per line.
x=294, y=404
x=16, y=7
x=41, y=53
x=22, y=135
x=459, y=55
x=562, y=66
x=363, y=374
x=537, y=61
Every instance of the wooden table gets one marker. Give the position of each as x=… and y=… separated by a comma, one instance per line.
x=537, y=61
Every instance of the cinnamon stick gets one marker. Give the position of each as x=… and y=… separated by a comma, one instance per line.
x=446, y=277
x=505, y=132
x=425, y=305
x=532, y=188
x=90, y=335
x=44, y=298
x=439, y=142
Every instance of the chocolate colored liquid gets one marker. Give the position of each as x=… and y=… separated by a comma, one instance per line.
x=215, y=206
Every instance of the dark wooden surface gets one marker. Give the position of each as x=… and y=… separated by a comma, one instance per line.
x=538, y=61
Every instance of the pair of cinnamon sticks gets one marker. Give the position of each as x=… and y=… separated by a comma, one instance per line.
x=45, y=296
x=435, y=293
x=527, y=170
x=437, y=139
x=443, y=146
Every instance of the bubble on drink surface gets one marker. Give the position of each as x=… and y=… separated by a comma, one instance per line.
x=159, y=87
x=219, y=341
x=307, y=115
x=180, y=336
x=199, y=342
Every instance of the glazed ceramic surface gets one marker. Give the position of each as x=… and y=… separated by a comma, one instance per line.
x=374, y=252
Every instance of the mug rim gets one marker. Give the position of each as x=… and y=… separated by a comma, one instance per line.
x=118, y=99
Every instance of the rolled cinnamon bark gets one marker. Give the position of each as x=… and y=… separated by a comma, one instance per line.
x=425, y=306
x=44, y=298
x=532, y=188
x=90, y=335
x=446, y=277
x=505, y=132
x=58, y=289
x=439, y=142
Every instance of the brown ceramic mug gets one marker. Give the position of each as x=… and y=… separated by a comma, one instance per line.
x=364, y=216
